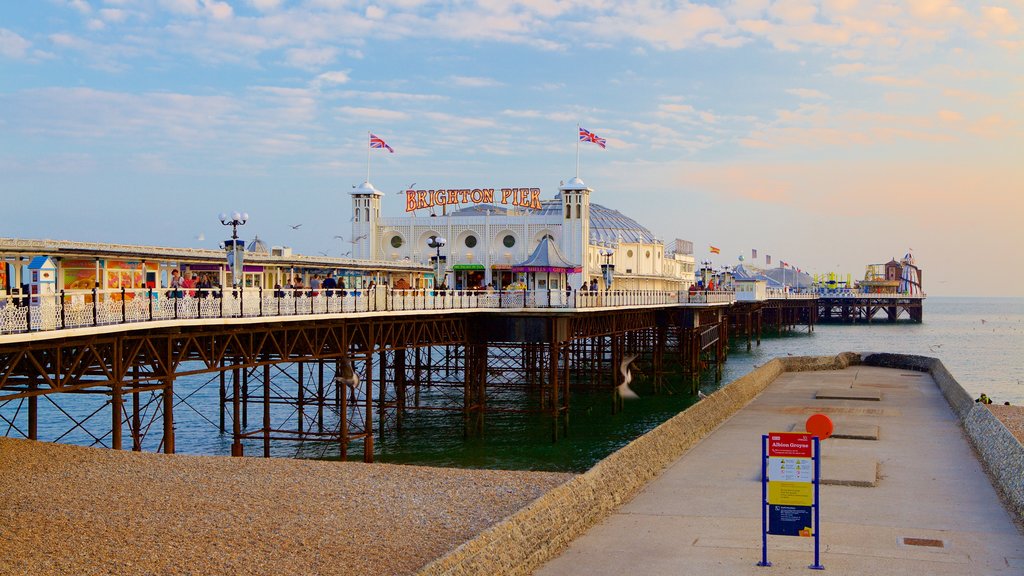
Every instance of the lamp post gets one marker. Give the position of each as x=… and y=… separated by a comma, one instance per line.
x=235, y=247
x=607, y=268
x=437, y=243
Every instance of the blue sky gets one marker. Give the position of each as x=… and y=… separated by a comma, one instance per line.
x=828, y=134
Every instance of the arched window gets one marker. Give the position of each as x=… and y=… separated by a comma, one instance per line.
x=568, y=211
x=367, y=214
x=357, y=215
x=579, y=211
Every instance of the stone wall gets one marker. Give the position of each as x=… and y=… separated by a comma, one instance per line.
x=998, y=449
x=526, y=540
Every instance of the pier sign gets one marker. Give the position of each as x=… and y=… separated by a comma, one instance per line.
x=790, y=467
x=522, y=197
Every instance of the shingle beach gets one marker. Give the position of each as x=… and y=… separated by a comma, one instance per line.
x=73, y=510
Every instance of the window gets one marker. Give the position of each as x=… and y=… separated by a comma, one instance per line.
x=648, y=254
x=629, y=253
x=579, y=211
x=568, y=211
x=396, y=241
x=509, y=241
x=470, y=241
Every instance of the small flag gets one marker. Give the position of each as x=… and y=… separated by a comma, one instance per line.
x=378, y=142
x=588, y=136
x=767, y=259
x=783, y=264
x=714, y=250
x=753, y=253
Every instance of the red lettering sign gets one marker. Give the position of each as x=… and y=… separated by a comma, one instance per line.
x=792, y=444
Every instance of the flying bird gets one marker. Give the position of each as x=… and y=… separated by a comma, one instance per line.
x=295, y=226
x=407, y=188
x=357, y=238
x=627, y=377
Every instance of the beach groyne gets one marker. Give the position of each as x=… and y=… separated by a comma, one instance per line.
x=999, y=451
x=527, y=539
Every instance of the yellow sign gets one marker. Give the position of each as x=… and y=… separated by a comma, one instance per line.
x=791, y=493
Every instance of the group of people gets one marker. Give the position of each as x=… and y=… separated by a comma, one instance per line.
x=317, y=284
x=592, y=287
x=194, y=286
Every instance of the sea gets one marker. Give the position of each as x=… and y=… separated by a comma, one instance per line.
x=979, y=340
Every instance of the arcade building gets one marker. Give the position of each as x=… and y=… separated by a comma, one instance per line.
x=487, y=232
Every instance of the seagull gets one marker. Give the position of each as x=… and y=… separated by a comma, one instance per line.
x=407, y=188
x=701, y=395
x=346, y=375
x=322, y=253
x=339, y=237
x=347, y=253
x=357, y=238
x=627, y=377
x=295, y=226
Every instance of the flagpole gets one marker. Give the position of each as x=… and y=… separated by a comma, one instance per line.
x=577, y=150
x=367, y=155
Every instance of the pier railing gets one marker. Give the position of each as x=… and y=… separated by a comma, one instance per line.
x=774, y=294
x=78, y=309
x=856, y=294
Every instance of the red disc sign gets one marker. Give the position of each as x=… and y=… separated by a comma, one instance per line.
x=791, y=444
x=819, y=425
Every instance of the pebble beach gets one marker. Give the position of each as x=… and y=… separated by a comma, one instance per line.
x=72, y=510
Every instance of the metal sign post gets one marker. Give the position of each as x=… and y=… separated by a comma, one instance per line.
x=790, y=476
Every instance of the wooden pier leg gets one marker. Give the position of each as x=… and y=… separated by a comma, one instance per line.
x=223, y=396
x=399, y=370
x=236, y=415
x=168, y=399
x=266, y=410
x=136, y=425
x=300, y=397
x=320, y=399
x=116, y=407
x=368, y=441
x=33, y=412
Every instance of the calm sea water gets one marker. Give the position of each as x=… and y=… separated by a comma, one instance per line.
x=980, y=340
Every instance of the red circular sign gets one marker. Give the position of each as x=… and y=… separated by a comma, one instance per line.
x=819, y=425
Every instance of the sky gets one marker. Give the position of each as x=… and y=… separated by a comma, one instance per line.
x=829, y=134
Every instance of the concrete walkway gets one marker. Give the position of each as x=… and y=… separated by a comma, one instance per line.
x=931, y=509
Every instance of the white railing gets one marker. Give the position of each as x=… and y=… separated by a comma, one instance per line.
x=77, y=309
x=776, y=294
x=855, y=294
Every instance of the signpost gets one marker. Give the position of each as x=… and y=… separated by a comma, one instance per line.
x=790, y=475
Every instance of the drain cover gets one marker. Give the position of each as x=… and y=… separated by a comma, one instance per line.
x=931, y=542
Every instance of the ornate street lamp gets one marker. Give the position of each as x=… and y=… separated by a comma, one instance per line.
x=437, y=243
x=607, y=268
x=234, y=247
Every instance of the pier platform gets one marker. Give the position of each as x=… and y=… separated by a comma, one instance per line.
x=913, y=501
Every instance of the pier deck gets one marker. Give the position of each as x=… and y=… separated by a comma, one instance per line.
x=701, y=516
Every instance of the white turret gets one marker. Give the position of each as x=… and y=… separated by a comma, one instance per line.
x=365, y=214
x=576, y=227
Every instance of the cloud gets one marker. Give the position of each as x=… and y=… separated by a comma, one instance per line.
x=807, y=93
x=950, y=116
x=330, y=79
x=373, y=113
x=310, y=58
x=473, y=82
x=12, y=45
x=847, y=69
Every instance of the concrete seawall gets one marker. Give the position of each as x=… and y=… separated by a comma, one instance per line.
x=999, y=451
x=527, y=539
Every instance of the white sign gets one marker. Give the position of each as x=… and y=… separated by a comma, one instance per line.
x=790, y=469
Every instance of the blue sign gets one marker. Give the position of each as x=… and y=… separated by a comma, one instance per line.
x=789, y=520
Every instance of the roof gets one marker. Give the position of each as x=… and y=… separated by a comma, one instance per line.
x=546, y=258
x=257, y=246
x=607, y=226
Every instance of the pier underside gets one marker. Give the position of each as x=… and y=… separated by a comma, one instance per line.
x=334, y=385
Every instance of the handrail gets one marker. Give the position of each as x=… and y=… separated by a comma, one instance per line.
x=103, y=307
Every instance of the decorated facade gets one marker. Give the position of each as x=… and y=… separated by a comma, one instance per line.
x=488, y=232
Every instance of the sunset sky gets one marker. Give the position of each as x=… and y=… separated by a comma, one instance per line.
x=828, y=134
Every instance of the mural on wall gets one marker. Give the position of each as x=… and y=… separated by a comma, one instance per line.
x=79, y=274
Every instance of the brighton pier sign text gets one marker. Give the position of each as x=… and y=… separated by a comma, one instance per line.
x=418, y=199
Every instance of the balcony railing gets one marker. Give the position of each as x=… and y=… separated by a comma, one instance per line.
x=78, y=309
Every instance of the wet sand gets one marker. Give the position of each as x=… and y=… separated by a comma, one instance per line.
x=74, y=510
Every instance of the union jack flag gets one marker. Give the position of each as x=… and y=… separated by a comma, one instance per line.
x=378, y=142
x=588, y=136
